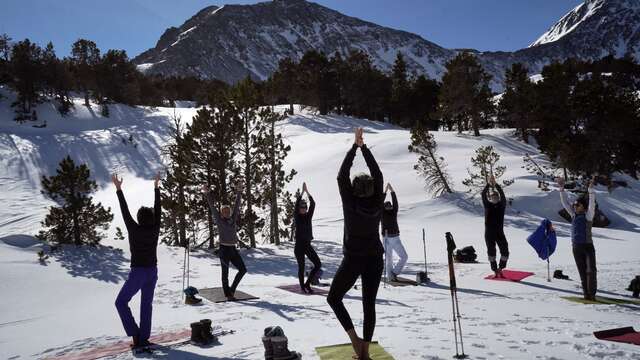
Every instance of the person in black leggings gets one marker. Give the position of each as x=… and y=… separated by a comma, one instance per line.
x=362, y=205
x=304, y=234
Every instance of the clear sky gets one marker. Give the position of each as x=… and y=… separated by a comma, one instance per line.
x=136, y=25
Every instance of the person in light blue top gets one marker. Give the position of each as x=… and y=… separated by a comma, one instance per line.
x=582, y=212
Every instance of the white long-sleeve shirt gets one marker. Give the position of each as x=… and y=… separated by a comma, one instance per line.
x=591, y=210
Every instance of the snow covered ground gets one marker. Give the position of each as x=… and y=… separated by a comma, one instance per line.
x=68, y=304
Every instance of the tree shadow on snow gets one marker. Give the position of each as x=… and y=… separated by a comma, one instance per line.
x=336, y=123
x=94, y=262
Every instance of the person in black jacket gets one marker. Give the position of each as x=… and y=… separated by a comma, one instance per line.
x=391, y=234
x=362, y=204
x=143, y=241
x=304, y=234
x=494, y=206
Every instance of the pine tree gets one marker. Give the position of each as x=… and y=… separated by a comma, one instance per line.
x=85, y=57
x=252, y=151
x=26, y=68
x=516, y=105
x=76, y=219
x=176, y=195
x=400, y=88
x=485, y=164
x=465, y=95
x=5, y=56
x=285, y=82
x=430, y=166
x=279, y=200
x=213, y=154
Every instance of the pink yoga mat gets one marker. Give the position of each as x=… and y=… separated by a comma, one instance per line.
x=296, y=289
x=510, y=275
x=122, y=346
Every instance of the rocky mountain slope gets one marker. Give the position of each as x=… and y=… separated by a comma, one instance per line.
x=235, y=41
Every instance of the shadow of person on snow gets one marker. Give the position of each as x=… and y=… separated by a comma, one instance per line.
x=483, y=293
x=283, y=310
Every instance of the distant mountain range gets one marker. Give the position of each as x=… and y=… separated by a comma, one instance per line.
x=233, y=41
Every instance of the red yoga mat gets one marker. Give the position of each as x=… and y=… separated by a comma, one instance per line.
x=510, y=275
x=624, y=335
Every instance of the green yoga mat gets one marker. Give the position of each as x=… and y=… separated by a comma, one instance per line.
x=601, y=300
x=345, y=352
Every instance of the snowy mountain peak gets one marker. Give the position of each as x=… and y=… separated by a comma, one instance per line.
x=612, y=24
x=232, y=42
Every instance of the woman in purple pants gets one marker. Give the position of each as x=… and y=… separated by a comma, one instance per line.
x=143, y=241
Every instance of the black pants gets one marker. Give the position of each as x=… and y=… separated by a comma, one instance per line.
x=585, y=256
x=229, y=254
x=302, y=250
x=370, y=268
x=493, y=238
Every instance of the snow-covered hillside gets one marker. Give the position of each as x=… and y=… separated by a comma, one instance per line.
x=68, y=304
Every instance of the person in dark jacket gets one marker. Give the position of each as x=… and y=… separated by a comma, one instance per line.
x=494, y=207
x=227, y=222
x=582, y=213
x=391, y=234
x=302, y=218
x=143, y=241
x=362, y=205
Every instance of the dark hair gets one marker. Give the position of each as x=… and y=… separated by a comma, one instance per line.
x=303, y=204
x=145, y=216
x=362, y=185
x=388, y=205
x=584, y=201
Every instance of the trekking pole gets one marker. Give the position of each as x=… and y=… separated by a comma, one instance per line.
x=385, y=259
x=184, y=270
x=457, y=326
x=424, y=248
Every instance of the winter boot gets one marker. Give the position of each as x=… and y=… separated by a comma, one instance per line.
x=207, y=332
x=192, y=300
x=268, y=348
x=196, y=333
x=281, y=350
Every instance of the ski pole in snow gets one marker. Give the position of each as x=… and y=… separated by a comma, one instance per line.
x=385, y=260
x=424, y=248
x=457, y=326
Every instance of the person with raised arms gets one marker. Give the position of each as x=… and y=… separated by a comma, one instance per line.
x=302, y=218
x=495, y=204
x=362, y=206
x=143, y=242
x=582, y=211
x=391, y=234
x=227, y=222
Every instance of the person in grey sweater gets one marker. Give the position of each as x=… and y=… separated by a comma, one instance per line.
x=227, y=222
x=582, y=212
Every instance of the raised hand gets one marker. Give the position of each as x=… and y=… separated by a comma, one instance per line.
x=358, y=136
x=492, y=180
x=117, y=182
x=304, y=188
x=156, y=181
x=388, y=188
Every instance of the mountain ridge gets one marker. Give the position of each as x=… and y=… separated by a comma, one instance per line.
x=232, y=42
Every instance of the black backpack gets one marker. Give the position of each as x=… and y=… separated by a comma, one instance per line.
x=466, y=255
